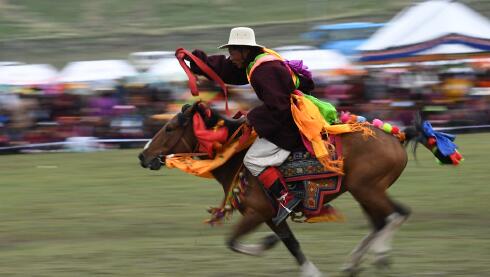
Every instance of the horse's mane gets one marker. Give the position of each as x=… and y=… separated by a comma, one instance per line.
x=212, y=117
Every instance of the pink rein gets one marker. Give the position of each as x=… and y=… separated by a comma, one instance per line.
x=181, y=54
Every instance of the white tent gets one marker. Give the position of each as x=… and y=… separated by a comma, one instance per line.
x=318, y=59
x=168, y=70
x=27, y=74
x=431, y=27
x=89, y=71
x=449, y=49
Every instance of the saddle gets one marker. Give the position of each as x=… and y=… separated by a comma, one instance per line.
x=311, y=182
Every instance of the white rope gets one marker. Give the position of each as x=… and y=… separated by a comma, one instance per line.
x=62, y=143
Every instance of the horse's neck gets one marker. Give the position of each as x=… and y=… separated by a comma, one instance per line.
x=233, y=124
x=225, y=173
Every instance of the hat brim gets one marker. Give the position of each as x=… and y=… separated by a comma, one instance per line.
x=232, y=44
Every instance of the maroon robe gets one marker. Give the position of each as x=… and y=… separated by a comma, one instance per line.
x=273, y=85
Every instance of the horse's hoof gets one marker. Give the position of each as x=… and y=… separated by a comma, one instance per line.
x=351, y=270
x=270, y=241
x=308, y=269
x=382, y=262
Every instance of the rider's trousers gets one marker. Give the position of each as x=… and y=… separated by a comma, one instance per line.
x=263, y=154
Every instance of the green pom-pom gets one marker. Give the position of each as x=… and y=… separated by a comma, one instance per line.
x=387, y=128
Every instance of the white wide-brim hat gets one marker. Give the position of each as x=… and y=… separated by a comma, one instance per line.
x=241, y=36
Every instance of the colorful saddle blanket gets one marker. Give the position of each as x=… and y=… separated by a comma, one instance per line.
x=306, y=177
x=301, y=166
x=309, y=179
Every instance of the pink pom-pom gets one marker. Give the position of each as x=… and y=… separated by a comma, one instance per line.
x=378, y=123
x=344, y=117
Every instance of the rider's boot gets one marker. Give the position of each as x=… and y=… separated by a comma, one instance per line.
x=273, y=182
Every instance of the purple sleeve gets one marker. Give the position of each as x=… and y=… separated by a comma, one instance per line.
x=222, y=66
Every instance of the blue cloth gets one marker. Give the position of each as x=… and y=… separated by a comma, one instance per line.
x=4, y=119
x=444, y=141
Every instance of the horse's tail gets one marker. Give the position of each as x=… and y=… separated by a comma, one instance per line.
x=440, y=144
x=414, y=135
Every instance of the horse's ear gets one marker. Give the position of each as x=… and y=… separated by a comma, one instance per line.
x=185, y=107
x=204, y=110
x=188, y=110
x=186, y=113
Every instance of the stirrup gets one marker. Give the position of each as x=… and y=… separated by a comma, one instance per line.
x=283, y=211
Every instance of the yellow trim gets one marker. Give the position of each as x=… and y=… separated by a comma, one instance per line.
x=265, y=59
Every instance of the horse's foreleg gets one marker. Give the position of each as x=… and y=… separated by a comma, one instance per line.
x=308, y=269
x=287, y=237
x=250, y=221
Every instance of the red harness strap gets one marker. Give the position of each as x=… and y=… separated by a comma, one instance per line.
x=210, y=140
x=181, y=53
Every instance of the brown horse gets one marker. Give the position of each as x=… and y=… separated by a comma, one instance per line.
x=371, y=166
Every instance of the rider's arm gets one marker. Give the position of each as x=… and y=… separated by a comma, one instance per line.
x=222, y=66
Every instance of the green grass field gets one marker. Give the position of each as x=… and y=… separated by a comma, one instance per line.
x=58, y=32
x=100, y=214
x=71, y=18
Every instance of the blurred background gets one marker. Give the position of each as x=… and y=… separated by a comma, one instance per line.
x=77, y=71
x=84, y=84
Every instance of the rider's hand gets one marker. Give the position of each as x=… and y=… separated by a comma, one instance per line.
x=247, y=122
x=246, y=132
x=200, y=54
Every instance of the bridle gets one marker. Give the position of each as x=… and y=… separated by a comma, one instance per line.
x=181, y=55
x=190, y=151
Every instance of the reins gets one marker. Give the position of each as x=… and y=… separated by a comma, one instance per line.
x=181, y=53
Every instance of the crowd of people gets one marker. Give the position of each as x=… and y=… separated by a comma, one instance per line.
x=454, y=96
x=117, y=112
x=457, y=96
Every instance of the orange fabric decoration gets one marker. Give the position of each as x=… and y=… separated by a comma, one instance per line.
x=203, y=168
x=313, y=126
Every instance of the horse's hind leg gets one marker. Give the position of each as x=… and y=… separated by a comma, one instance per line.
x=362, y=248
x=308, y=269
x=381, y=245
x=386, y=217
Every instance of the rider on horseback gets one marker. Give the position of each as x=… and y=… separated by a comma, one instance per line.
x=272, y=120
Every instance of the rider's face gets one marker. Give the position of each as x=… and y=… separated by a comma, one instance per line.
x=238, y=55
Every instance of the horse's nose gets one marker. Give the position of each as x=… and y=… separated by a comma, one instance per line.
x=141, y=157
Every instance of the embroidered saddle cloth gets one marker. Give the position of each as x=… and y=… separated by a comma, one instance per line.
x=309, y=180
x=301, y=166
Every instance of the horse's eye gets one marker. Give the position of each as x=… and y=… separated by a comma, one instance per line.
x=168, y=128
